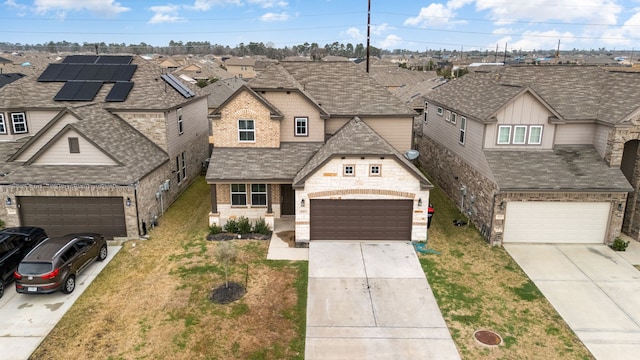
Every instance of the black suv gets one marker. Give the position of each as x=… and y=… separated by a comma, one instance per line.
x=15, y=243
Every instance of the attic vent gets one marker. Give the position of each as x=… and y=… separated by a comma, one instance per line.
x=176, y=84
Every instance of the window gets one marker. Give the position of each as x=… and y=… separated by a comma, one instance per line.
x=519, y=134
x=504, y=134
x=246, y=130
x=179, y=115
x=3, y=126
x=301, y=126
x=426, y=112
x=74, y=145
x=535, y=135
x=447, y=117
x=349, y=170
x=374, y=170
x=181, y=167
x=439, y=110
x=463, y=129
x=238, y=195
x=454, y=118
x=19, y=123
x=259, y=194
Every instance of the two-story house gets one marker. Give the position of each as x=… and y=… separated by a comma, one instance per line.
x=323, y=142
x=538, y=153
x=98, y=143
x=242, y=67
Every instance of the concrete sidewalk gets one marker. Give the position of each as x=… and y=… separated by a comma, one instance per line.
x=372, y=301
x=596, y=291
x=25, y=320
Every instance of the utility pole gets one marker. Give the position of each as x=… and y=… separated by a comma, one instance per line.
x=495, y=56
x=505, y=53
x=368, y=32
x=558, y=52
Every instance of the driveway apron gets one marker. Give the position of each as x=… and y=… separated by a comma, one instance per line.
x=371, y=300
x=593, y=288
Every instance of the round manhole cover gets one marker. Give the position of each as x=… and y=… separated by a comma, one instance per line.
x=487, y=338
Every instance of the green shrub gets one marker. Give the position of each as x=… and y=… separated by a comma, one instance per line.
x=214, y=229
x=2, y=224
x=231, y=226
x=244, y=225
x=261, y=227
x=619, y=244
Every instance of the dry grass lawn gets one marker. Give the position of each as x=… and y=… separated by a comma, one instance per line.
x=152, y=300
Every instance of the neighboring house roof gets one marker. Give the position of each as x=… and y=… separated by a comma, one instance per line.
x=341, y=88
x=135, y=153
x=565, y=168
x=240, y=61
x=579, y=93
x=268, y=164
x=9, y=78
x=274, y=112
x=220, y=90
x=356, y=138
x=5, y=61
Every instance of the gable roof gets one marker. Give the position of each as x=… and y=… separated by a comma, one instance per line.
x=9, y=78
x=341, y=88
x=221, y=90
x=275, y=113
x=356, y=138
x=574, y=93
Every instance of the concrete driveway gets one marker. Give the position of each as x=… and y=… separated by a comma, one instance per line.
x=371, y=300
x=25, y=320
x=595, y=289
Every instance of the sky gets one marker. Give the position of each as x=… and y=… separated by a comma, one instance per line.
x=518, y=25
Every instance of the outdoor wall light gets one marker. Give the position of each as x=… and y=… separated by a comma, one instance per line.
x=8, y=201
x=302, y=203
x=620, y=206
x=420, y=202
x=128, y=202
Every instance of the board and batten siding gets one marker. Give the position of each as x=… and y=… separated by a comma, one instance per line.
x=46, y=137
x=601, y=137
x=291, y=105
x=58, y=153
x=396, y=131
x=523, y=110
x=448, y=135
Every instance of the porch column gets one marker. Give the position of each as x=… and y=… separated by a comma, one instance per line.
x=269, y=208
x=214, y=200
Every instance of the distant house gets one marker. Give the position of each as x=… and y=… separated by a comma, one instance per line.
x=538, y=153
x=242, y=67
x=98, y=143
x=321, y=142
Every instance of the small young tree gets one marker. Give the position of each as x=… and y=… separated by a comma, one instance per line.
x=226, y=253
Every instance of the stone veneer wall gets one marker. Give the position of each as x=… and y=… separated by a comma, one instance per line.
x=615, y=150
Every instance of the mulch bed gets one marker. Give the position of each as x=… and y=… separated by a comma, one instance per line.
x=229, y=236
x=224, y=294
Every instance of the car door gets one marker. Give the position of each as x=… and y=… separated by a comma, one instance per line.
x=9, y=257
x=87, y=252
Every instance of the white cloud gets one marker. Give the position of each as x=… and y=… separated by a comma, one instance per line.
x=205, y=5
x=438, y=15
x=379, y=29
x=623, y=36
x=165, y=14
x=390, y=42
x=100, y=7
x=270, y=17
x=591, y=11
x=355, y=34
x=267, y=4
x=541, y=40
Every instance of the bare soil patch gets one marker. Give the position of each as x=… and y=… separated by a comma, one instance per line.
x=289, y=237
x=227, y=293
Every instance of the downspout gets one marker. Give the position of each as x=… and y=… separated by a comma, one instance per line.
x=135, y=198
x=493, y=214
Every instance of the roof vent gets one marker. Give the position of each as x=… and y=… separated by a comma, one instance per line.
x=411, y=154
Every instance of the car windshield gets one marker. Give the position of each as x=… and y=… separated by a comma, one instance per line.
x=34, y=268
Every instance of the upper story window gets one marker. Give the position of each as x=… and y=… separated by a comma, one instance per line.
x=3, y=125
x=454, y=118
x=74, y=145
x=463, y=130
x=302, y=126
x=246, y=130
x=447, y=117
x=181, y=167
x=426, y=112
x=19, y=123
x=439, y=110
x=180, y=126
x=375, y=170
x=520, y=135
x=349, y=170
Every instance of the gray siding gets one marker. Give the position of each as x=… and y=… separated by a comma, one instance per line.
x=574, y=134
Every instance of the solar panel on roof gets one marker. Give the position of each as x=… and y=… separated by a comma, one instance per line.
x=88, y=72
x=176, y=84
x=106, y=72
x=78, y=91
x=80, y=59
x=120, y=91
x=123, y=72
x=117, y=59
x=52, y=72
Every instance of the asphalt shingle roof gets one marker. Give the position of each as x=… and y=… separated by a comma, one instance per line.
x=338, y=87
x=280, y=164
x=565, y=168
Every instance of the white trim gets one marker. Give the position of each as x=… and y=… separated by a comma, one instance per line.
x=447, y=116
x=531, y=132
x=462, y=136
x=3, y=124
x=515, y=133
x=454, y=118
x=508, y=127
x=23, y=122
x=238, y=193
x=439, y=110
x=247, y=131
x=306, y=126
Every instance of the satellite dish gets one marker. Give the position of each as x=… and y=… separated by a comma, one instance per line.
x=411, y=154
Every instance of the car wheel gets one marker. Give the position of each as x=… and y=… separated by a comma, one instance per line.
x=103, y=253
x=69, y=284
x=1, y=288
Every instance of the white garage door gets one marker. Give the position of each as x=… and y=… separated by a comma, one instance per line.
x=556, y=222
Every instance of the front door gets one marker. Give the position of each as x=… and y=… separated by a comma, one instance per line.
x=288, y=203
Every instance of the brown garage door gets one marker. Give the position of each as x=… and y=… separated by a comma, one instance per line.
x=63, y=215
x=361, y=219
